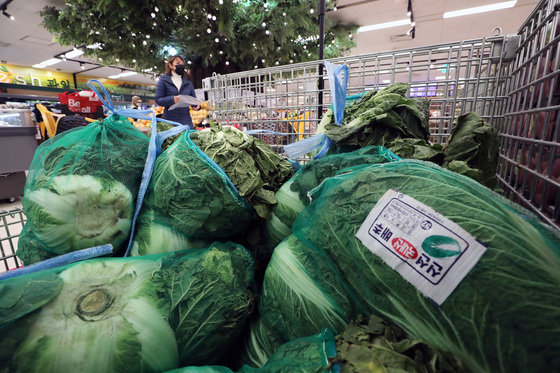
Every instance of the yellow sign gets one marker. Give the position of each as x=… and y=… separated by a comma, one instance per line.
x=35, y=77
x=28, y=76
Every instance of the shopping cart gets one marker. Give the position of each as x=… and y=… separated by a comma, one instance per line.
x=11, y=224
x=510, y=81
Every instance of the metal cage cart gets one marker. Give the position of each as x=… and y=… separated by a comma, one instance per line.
x=11, y=224
x=456, y=77
x=529, y=168
x=510, y=81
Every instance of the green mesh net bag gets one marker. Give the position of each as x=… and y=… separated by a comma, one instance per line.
x=145, y=314
x=301, y=294
x=292, y=196
x=81, y=189
x=309, y=354
x=502, y=317
x=191, y=200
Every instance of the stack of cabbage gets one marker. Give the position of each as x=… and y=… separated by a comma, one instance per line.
x=208, y=185
x=145, y=314
x=307, y=355
x=81, y=189
x=292, y=196
x=503, y=317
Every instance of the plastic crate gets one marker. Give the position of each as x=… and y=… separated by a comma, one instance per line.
x=11, y=224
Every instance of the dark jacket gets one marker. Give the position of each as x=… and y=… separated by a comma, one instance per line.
x=166, y=90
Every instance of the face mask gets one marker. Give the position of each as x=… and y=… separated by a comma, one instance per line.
x=180, y=69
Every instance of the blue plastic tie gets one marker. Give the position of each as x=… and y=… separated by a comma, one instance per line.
x=60, y=260
x=154, y=147
x=338, y=88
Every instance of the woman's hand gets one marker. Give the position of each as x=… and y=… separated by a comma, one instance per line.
x=176, y=98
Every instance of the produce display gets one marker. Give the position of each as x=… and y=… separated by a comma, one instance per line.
x=398, y=247
x=81, y=189
x=198, y=116
x=145, y=314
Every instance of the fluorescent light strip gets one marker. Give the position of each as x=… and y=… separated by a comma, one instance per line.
x=74, y=53
x=480, y=9
x=122, y=75
x=128, y=73
x=380, y=26
x=46, y=63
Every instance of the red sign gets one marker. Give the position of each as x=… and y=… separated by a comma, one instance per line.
x=80, y=102
x=404, y=248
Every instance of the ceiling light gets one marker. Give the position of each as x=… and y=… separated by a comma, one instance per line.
x=440, y=77
x=480, y=9
x=11, y=17
x=82, y=66
x=39, y=66
x=74, y=53
x=114, y=76
x=128, y=73
x=380, y=26
x=49, y=62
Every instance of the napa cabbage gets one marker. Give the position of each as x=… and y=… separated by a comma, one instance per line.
x=74, y=212
x=292, y=196
x=253, y=167
x=155, y=236
x=81, y=188
x=310, y=354
x=504, y=315
x=146, y=314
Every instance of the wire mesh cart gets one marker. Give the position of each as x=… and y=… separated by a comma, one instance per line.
x=11, y=224
x=510, y=81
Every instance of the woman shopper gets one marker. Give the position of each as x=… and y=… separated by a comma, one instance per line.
x=136, y=101
x=170, y=86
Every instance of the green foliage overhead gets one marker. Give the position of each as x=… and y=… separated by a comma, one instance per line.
x=210, y=32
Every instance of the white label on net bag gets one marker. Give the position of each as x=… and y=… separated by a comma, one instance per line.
x=428, y=250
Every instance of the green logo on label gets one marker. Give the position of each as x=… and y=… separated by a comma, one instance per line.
x=441, y=246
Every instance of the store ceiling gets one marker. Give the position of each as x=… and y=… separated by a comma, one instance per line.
x=431, y=27
x=24, y=42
